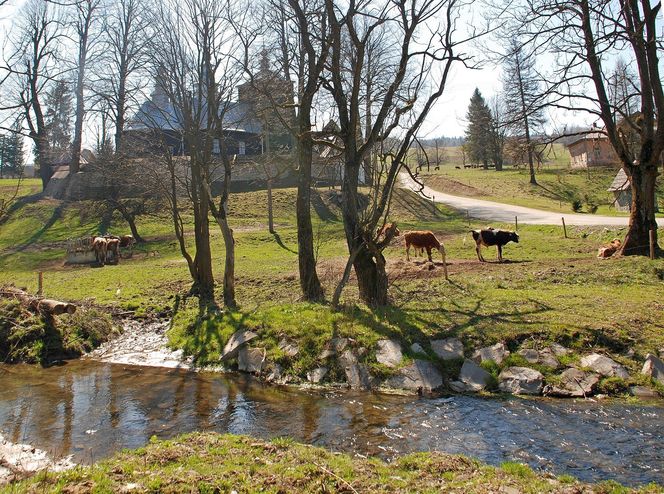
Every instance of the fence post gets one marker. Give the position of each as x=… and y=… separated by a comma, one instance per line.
x=40, y=284
x=564, y=227
x=516, y=223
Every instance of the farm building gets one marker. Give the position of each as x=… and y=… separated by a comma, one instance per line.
x=591, y=150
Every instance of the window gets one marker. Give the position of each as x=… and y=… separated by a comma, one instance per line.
x=241, y=149
x=215, y=146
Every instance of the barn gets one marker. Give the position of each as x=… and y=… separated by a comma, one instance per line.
x=622, y=191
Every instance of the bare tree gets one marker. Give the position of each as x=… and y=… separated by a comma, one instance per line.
x=118, y=81
x=421, y=37
x=87, y=12
x=30, y=67
x=583, y=35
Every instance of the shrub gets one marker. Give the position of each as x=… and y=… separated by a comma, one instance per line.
x=577, y=205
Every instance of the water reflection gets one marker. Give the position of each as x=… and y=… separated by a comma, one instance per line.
x=92, y=409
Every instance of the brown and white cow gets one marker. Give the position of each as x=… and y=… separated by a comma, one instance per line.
x=491, y=237
x=113, y=246
x=100, y=246
x=425, y=240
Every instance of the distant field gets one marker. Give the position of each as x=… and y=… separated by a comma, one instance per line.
x=558, y=184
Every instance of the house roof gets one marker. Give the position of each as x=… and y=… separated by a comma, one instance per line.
x=620, y=182
x=589, y=136
x=237, y=116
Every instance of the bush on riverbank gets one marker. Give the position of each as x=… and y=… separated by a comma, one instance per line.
x=30, y=338
x=209, y=462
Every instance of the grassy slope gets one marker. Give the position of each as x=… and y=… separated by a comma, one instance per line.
x=554, y=288
x=558, y=184
x=209, y=462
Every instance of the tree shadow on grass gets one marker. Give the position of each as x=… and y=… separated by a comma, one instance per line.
x=280, y=243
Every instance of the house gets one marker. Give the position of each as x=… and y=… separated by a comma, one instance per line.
x=592, y=150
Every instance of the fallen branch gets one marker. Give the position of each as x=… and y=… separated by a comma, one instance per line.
x=43, y=306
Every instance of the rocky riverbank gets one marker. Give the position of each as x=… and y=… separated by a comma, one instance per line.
x=19, y=461
x=436, y=365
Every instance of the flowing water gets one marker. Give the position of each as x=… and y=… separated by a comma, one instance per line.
x=91, y=409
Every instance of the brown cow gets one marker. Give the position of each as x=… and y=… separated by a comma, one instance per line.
x=113, y=246
x=100, y=246
x=425, y=240
x=127, y=241
x=610, y=249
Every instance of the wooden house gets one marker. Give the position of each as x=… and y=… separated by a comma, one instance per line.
x=592, y=150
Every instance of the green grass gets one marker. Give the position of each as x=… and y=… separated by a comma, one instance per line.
x=558, y=184
x=551, y=288
x=210, y=462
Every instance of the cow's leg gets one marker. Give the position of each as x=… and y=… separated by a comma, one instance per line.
x=407, y=252
x=429, y=253
x=500, y=253
x=478, y=249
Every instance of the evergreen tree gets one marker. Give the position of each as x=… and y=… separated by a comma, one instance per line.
x=11, y=152
x=59, y=117
x=479, y=134
x=524, y=106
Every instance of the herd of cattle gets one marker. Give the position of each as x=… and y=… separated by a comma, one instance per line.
x=110, y=245
x=426, y=240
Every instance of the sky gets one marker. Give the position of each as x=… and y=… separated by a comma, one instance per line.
x=447, y=118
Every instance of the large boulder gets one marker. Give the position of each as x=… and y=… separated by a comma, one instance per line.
x=497, y=353
x=545, y=357
x=316, y=375
x=573, y=383
x=604, y=366
x=417, y=348
x=558, y=350
x=250, y=359
x=289, y=348
x=333, y=347
x=448, y=349
x=357, y=374
x=472, y=378
x=653, y=367
x=388, y=352
x=237, y=339
x=521, y=381
x=421, y=375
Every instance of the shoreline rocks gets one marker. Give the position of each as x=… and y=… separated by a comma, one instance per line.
x=22, y=460
x=521, y=381
x=472, y=378
x=604, y=366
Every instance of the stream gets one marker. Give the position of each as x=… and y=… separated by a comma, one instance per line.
x=91, y=409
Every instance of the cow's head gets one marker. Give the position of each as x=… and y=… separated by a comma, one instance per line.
x=514, y=237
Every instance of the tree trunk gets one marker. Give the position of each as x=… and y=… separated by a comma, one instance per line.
x=270, y=217
x=131, y=221
x=204, y=279
x=642, y=216
x=309, y=282
x=229, y=266
x=77, y=142
x=369, y=267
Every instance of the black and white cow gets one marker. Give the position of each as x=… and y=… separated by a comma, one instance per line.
x=491, y=237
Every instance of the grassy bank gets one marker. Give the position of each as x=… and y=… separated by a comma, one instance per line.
x=551, y=289
x=209, y=462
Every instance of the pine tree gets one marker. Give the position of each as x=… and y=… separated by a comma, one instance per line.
x=479, y=134
x=524, y=108
x=59, y=117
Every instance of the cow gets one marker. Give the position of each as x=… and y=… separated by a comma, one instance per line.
x=610, y=249
x=100, y=246
x=127, y=241
x=113, y=246
x=491, y=237
x=425, y=240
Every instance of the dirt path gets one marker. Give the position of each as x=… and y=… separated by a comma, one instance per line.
x=141, y=344
x=505, y=213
